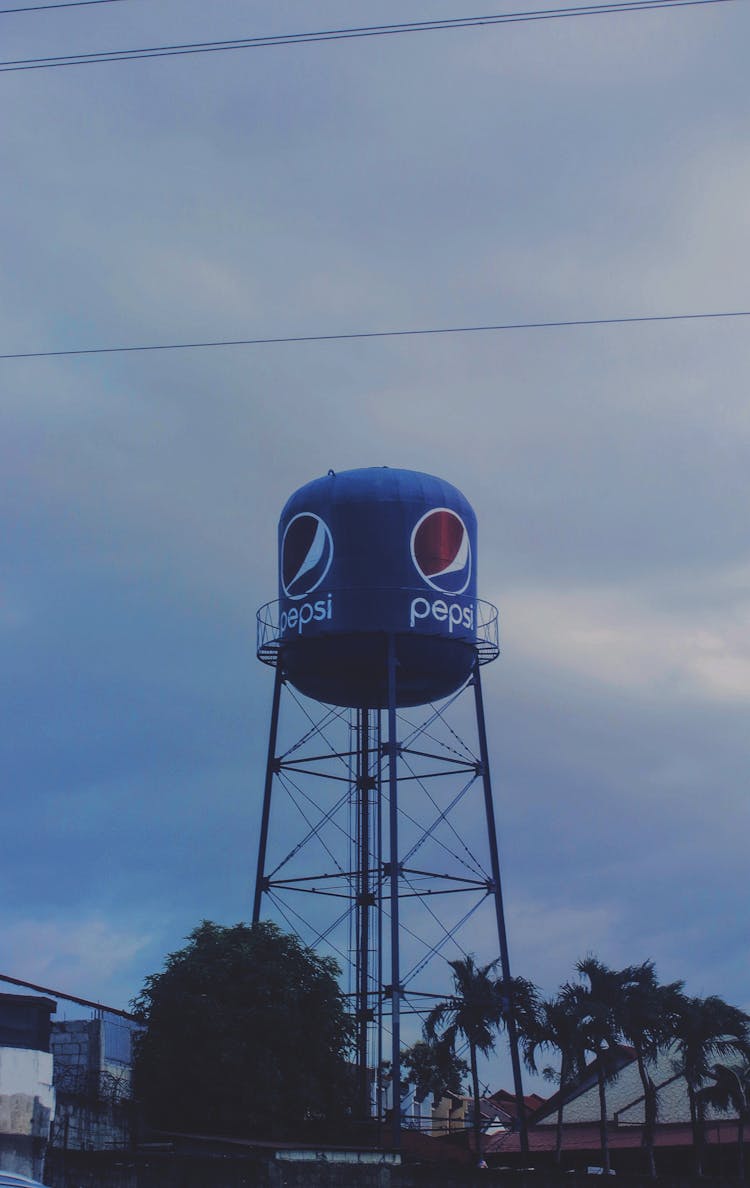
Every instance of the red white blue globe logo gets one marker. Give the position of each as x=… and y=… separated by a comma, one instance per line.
x=306, y=554
x=441, y=551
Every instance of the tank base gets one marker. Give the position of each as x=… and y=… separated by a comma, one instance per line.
x=343, y=670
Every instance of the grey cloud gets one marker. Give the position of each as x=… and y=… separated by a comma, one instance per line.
x=518, y=175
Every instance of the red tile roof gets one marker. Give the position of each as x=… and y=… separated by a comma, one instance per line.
x=506, y=1101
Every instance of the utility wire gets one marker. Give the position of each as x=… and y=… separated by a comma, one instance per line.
x=345, y=34
x=46, y=7
x=291, y=338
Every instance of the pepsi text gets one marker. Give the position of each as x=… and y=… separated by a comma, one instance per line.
x=453, y=614
x=298, y=616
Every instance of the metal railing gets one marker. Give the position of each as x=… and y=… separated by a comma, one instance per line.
x=486, y=630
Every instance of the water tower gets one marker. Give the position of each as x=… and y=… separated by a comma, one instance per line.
x=378, y=816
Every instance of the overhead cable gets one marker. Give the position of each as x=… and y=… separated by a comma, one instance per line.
x=360, y=334
x=345, y=34
x=66, y=4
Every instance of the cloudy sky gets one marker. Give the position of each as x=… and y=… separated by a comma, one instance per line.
x=563, y=169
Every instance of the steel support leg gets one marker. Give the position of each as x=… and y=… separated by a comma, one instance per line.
x=270, y=770
x=394, y=893
x=363, y=909
x=499, y=913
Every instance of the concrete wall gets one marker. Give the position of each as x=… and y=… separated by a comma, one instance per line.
x=27, y=1106
x=76, y=1045
x=93, y=1091
x=195, y=1172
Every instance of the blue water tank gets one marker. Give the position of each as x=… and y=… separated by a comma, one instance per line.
x=369, y=554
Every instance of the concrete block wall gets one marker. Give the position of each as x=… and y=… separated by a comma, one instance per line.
x=76, y=1044
x=93, y=1092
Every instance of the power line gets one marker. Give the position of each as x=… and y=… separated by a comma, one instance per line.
x=97, y=1006
x=345, y=34
x=46, y=7
x=347, y=337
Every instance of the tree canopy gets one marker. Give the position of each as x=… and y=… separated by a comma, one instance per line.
x=433, y=1068
x=245, y=1033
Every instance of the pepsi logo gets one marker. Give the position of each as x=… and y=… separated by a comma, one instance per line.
x=441, y=551
x=306, y=554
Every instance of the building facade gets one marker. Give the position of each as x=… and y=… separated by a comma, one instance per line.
x=27, y=1094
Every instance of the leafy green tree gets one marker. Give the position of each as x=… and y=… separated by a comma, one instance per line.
x=476, y=1010
x=731, y=1091
x=706, y=1030
x=245, y=1033
x=433, y=1068
x=556, y=1025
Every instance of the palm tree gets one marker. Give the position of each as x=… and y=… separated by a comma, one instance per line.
x=646, y=1015
x=599, y=1021
x=477, y=1008
x=556, y=1025
x=706, y=1029
x=731, y=1091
